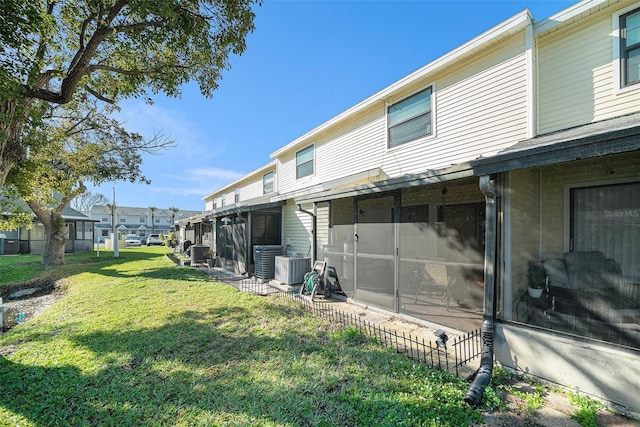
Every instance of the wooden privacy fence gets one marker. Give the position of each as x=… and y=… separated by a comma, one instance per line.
x=453, y=355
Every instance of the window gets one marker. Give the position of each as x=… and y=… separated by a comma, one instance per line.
x=236, y=195
x=215, y=204
x=157, y=220
x=410, y=118
x=122, y=219
x=104, y=233
x=267, y=183
x=222, y=200
x=104, y=219
x=143, y=219
x=80, y=230
x=630, y=48
x=304, y=162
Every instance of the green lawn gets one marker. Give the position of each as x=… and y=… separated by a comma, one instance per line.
x=138, y=341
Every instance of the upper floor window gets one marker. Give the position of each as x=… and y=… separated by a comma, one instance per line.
x=304, y=162
x=267, y=183
x=215, y=204
x=104, y=219
x=222, y=200
x=143, y=218
x=236, y=195
x=410, y=118
x=122, y=219
x=630, y=47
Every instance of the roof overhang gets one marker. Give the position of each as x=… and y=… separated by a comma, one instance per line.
x=615, y=136
x=455, y=172
x=569, y=15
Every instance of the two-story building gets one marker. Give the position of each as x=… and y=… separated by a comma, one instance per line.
x=437, y=197
x=134, y=220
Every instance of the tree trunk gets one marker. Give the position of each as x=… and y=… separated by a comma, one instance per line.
x=55, y=240
x=11, y=150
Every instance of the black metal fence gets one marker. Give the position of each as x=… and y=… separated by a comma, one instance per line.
x=454, y=355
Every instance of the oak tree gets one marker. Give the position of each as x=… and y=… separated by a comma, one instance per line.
x=58, y=50
x=70, y=146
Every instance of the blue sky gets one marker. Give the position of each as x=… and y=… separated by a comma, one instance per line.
x=306, y=62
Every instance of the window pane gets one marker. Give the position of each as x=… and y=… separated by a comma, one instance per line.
x=416, y=105
x=412, y=129
x=633, y=66
x=304, y=169
x=305, y=155
x=633, y=29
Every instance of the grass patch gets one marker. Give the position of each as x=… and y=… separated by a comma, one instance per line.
x=530, y=393
x=140, y=341
x=586, y=415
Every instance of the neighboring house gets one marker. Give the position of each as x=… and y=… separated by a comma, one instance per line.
x=521, y=145
x=79, y=229
x=133, y=220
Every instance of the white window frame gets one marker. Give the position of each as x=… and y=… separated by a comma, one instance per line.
x=390, y=105
x=618, y=85
x=236, y=195
x=312, y=161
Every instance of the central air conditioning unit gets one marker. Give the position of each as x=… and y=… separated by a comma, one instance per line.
x=264, y=257
x=291, y=270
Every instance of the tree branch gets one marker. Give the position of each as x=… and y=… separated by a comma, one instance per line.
x=99, y=95
x=138, y=26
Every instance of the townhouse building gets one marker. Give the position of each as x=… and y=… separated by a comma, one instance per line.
x=140, y=221
x=438, y=197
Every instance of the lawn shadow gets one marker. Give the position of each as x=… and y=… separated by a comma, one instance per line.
x=199, y=365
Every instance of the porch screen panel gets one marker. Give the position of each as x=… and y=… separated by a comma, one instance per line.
x=607, y=219
x=375, y=252
x=338, y=251
x=601, y=296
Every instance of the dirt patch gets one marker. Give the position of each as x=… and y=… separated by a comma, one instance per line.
x=21, y=309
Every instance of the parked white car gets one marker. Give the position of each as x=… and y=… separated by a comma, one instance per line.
x=154, y=239
x=132, y=240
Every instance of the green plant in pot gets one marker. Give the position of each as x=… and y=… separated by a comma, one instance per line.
x=536, y=278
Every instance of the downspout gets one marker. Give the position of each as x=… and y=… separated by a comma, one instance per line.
x=314, y=224
x=483, y=374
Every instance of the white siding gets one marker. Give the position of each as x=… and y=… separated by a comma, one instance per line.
x=576, y=75
x=251, y=189
x=480, y=109
x=296, y=226
x=322, y=224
